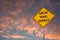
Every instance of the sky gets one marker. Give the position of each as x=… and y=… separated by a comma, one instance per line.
x=17, y=23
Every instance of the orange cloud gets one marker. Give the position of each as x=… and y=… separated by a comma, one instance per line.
x=6, y=36
x=16, y=12
x=17, y=36
x=13, y=36
x=1, y=31
x=52, y=36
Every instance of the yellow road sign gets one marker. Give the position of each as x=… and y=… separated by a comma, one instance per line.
x=43, y=17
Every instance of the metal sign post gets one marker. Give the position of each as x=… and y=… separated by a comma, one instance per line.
x=43, y=34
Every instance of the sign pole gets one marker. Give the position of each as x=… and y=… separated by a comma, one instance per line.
x=43, y=33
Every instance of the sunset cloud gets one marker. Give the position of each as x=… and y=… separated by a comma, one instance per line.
x=17, y=36
x=13, y=36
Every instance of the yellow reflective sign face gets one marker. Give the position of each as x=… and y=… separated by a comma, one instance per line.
x=43, y=17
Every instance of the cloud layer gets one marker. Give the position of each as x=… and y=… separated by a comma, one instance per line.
x=16, y=19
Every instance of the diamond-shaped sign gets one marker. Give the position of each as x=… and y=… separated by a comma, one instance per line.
x=43, y=17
